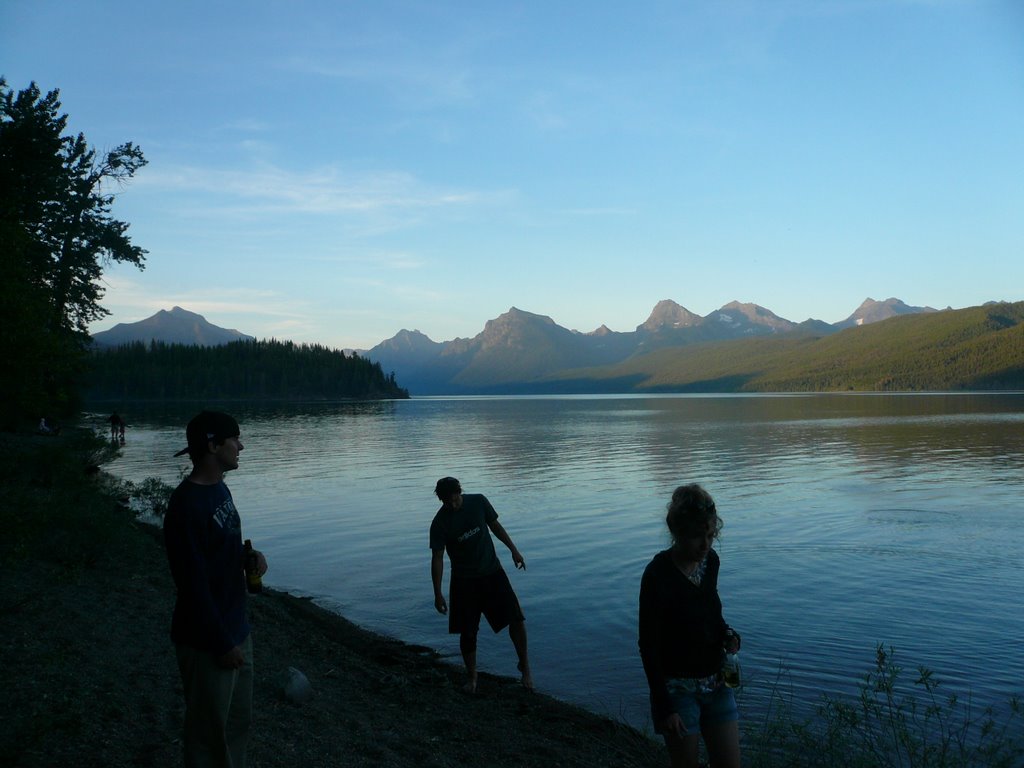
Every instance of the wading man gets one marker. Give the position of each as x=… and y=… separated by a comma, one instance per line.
x=479, y=585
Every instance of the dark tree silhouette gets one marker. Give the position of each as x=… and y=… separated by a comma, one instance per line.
x=56, y=236
x=266, y=370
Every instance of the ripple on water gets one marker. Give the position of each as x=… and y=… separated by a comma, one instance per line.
x=848, y=522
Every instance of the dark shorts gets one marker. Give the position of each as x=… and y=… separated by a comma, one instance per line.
x=490, y=595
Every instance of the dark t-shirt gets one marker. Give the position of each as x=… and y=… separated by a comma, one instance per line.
x=464, y=533
x=203, y=534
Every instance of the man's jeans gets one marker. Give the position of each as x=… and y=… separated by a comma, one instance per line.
x=218, y=708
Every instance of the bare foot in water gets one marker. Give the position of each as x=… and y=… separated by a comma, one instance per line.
x=526, y=679
x=470, y=686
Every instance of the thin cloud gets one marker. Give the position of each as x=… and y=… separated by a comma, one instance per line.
x=410, y=80
x=248, y=125
x=397, y=290
x=601, y=211
x=325, y=191
x=136, y=301
x=399, y=262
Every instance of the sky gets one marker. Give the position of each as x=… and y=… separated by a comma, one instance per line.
x=334, y=172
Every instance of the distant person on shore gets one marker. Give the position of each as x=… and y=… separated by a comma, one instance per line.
x=115, y=425
x=210, y=629
x=121, y=424
x=478, y=585
x=48, y=427
x=683, y=638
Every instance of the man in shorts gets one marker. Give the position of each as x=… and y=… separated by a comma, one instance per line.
x=479, y=585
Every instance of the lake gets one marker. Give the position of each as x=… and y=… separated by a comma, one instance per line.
x=850, y=520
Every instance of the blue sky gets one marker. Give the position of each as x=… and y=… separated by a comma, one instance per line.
x=336, y=171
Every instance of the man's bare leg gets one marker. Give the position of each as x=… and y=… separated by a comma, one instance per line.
x=517, y=631
x=469, y=659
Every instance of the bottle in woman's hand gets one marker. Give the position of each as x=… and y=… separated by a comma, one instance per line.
x=731, y=666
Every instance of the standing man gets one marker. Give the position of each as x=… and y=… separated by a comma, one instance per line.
x=210, y=628
x=479, y=584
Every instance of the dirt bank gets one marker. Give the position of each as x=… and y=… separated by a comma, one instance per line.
x=89, y=679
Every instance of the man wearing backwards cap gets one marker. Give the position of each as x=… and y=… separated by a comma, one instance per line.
x=209, y=628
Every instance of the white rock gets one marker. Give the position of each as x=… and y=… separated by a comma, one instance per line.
x=296, y=687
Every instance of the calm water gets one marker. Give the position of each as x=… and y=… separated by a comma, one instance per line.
x=850, y=520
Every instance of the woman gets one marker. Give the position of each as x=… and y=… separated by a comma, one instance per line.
x=683, y=637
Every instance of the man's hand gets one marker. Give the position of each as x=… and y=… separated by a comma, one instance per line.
x=517, y=558
x=440, y=604
x=233, y=659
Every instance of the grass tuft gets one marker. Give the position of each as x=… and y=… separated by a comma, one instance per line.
x=889, y=724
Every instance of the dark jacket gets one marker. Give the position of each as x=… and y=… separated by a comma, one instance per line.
x=203, y=535
x=681, y=627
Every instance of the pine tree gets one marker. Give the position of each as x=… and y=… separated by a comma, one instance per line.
x=56, y=236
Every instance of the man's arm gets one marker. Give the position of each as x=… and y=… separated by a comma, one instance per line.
x=502, y=535
x=436, y=573
x=235, y=658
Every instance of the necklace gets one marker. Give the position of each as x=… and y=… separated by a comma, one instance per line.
x=693, y=571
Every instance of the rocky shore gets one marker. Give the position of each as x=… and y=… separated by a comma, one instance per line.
x=89, y=675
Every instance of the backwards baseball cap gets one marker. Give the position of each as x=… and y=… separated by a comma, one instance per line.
x=206, y=427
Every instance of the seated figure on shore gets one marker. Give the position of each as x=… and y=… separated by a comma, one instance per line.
x=46, y=427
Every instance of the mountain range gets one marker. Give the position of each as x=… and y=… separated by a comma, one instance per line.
x=523, y=352
x=882, y=345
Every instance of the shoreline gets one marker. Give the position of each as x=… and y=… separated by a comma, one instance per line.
x=90, y=676
x=91, y=680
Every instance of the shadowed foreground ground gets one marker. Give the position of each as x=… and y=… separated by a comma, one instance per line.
x=89, y=679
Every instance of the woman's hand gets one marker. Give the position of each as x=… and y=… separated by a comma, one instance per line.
x=674, y=724
x=732, y=642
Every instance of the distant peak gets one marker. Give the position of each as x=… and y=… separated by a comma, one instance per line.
x=669, y=314
x=177, y=311
x=514, y=313
x=871, y=311
x=174, y=326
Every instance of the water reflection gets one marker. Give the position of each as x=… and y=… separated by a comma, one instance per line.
x=849, y=520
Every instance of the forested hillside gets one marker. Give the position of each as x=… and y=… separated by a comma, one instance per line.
x=978, y=348
x=242, y=370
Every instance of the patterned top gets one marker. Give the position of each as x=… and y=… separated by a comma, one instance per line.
x=698, y=572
